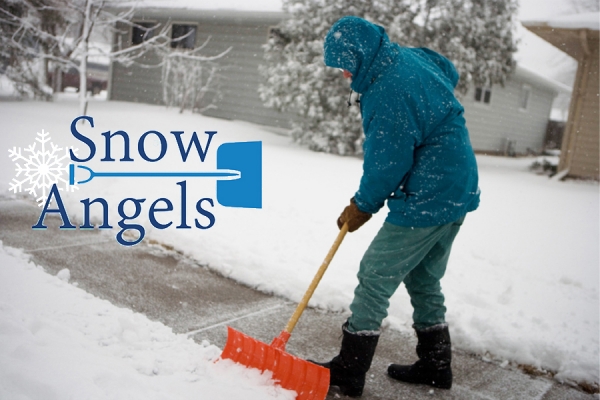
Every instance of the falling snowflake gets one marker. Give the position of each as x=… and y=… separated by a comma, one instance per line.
x=40, y=168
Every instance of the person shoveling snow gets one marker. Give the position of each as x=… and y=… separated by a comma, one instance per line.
x=418, y=158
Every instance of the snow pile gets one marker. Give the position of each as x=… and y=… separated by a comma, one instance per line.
x=7, y=87
x=59, y=342
x=522, y=284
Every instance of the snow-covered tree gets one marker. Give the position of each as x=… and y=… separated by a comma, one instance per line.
x=45, y=37
x=19, y=47
x=297, y=80
x=477, y=35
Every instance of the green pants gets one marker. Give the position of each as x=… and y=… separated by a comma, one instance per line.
x=415, y=256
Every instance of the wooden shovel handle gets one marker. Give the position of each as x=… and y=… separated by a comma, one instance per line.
x=313, y=285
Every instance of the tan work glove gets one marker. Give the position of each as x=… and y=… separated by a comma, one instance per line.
x=353, y=216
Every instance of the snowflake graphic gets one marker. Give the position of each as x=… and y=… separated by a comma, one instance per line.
x=39, y=169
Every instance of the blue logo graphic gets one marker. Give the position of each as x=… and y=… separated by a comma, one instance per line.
x=238, y=178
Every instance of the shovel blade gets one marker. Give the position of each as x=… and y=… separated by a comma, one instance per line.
x=310, y=381
x=246, y=191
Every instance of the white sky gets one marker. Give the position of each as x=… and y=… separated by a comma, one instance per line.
x=540, y=9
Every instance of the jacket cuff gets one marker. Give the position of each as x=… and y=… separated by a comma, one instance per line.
x=362, y=206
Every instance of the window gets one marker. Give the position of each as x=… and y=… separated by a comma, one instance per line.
x=524, y=98
x=183, y=36
x=142, y=31
x=483, y=95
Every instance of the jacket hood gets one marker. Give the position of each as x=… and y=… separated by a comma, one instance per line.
x=354, y=44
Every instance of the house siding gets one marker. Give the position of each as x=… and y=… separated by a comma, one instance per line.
x=138, y=85
x=239, y=69
x=492, y=126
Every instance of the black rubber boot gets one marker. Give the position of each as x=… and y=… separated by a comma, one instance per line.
x=435, y=355
x=349, y=368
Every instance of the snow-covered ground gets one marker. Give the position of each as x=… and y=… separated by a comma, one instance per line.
x=522, y=284
x=59, y=342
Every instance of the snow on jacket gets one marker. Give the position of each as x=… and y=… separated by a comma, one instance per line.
x=417, y=152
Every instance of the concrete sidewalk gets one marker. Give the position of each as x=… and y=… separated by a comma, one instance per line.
x=188, y=297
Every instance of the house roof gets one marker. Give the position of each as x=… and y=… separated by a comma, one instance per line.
x=236, y=5
x=233, y=10
x=533, y=77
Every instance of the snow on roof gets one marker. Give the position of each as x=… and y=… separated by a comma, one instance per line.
x=238, y=5
x=589, y=20
x=541, y=79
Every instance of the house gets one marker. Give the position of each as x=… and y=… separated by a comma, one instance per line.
x=243, y=32
x=511, y=119
x=577, y=35
x=502, y=120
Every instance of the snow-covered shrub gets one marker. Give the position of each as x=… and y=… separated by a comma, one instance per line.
x=189, y=83
x=546, y=164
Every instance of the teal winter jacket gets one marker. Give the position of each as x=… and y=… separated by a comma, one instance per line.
x=417, y=152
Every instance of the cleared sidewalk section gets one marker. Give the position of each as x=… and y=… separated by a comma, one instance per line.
x=188, y=297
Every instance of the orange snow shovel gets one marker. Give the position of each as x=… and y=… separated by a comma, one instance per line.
x=310, y=381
